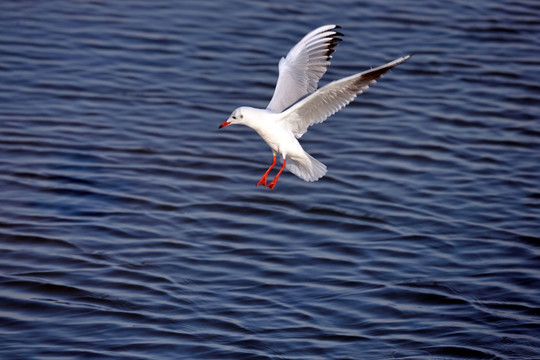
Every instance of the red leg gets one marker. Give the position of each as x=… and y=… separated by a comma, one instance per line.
x=273, y=183
x=263, y=179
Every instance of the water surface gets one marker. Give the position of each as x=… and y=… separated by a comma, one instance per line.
x=131, y=227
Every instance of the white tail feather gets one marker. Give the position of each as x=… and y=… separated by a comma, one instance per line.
x=308, y=168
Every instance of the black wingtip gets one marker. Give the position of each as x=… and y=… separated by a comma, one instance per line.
x=333, y=42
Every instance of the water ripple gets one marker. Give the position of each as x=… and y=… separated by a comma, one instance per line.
x=131, y=227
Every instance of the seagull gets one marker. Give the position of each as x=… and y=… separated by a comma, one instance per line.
x=297, y=104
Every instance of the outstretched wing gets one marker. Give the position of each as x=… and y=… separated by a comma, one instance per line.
x=304, y=65
x=326, y=101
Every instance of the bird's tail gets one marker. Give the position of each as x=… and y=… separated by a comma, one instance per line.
x=307, y=168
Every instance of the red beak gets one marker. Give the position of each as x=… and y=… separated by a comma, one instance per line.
x=224, y=124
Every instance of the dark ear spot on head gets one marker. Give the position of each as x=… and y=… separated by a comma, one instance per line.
x=241, y=116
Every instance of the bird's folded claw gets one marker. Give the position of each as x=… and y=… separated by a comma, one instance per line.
x=262, y=181
x=271, y=185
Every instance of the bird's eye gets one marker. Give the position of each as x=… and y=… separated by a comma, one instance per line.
x=234, y=117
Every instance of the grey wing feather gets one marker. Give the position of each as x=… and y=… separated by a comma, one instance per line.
x=326, y=101
x=305, y=64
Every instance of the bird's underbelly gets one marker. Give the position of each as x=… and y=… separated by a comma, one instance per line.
x=284, y=143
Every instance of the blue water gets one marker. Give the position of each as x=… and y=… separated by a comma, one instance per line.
x=131, y=227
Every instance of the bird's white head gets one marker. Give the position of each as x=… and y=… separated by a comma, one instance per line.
x=238, y=116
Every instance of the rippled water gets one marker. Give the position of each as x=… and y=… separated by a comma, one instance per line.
x=131, y=227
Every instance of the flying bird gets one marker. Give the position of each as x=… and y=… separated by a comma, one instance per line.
x=290, y=112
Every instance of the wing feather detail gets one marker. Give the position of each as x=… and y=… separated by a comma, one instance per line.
x=329, y=99
x=303, y=67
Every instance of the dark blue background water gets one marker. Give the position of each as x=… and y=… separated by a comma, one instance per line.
x=131, y=228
